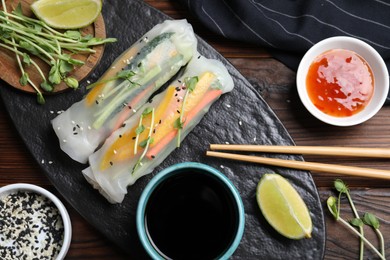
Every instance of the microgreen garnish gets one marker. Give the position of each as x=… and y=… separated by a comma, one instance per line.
x=27, y=36
x=124, y=74
x=190, y=84
x=368, y=219
x=371, y=220
x=145, y=143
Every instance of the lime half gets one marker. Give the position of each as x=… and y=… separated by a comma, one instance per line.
x=283, y=207
x=67, y=14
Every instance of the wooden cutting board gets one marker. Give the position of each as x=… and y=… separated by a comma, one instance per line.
x=9, y=69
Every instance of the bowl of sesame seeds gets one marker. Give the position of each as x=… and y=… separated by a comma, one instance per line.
x=34, y=224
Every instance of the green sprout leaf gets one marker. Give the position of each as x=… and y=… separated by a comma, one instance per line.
x=26, y=59
x=40, y=98
x=24, y=79
x=54, y=74
x=357, y=222
x=71, y=82
x=191, y=83
x=178, y=124
x=340, y=186
x=46, y=86
x=371, y=220
x=125, y=74
x=146, y=141
x=75, y=35
x=147, y=111
x=140, y=129
x=65, y=67
x=332, y=206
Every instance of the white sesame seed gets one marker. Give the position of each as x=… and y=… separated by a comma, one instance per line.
x=88, y=82
x=134, y=110
x=222, y=167
x=58, y=128
x=43, y=161
x=50, y=162
x=228, y=106
x=239, y=122
x=89, y=127
x=226, y=142
x=64, y=140
x=51, y=112
x=254, y=139
x=73, y=122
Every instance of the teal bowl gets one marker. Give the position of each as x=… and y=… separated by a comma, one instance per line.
x=203, y=172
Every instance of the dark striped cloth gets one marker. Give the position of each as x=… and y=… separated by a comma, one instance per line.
x=288, y=28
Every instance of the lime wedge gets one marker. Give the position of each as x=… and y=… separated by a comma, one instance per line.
x=283, y=207
x=67, y=14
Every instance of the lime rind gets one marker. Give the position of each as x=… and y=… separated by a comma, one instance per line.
x=283, y=207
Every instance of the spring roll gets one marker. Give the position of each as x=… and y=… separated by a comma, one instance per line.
x=125, y=87
x=148, y=137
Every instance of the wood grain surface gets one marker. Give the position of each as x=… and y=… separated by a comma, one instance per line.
x=10, y=71
x=276, y=83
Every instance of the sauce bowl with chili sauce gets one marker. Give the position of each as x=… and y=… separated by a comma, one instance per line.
x=342, y=81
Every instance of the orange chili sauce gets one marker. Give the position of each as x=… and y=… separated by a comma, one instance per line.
x=340, y=83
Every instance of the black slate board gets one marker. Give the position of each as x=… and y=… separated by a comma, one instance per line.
x=128, y=21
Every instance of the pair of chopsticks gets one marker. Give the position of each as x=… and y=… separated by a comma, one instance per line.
x=302, y=165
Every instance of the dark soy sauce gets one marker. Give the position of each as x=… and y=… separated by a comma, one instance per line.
x=191, y=216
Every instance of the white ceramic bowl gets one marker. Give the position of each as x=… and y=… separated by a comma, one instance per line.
x=379, y=69
x=67, y=237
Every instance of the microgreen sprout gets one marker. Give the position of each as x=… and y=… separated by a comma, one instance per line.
x=190, y=84
x=333, y=204
x=371, y=220
x=28, y=37
x=124, y=74
x=342, y=188
x=149, y=140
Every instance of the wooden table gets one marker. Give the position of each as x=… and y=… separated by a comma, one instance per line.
x=277, y=85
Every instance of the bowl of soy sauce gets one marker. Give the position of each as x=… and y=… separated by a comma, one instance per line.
x=190, y=211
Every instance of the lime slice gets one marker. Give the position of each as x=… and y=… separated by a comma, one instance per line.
x=67, y=14
x=283, y=207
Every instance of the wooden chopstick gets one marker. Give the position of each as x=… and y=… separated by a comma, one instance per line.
x=317, y=150
x=309, y=166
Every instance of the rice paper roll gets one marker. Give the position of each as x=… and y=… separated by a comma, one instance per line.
x=130, y=81
x=148, y=137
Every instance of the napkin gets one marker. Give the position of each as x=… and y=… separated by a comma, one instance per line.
x=289, y=28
